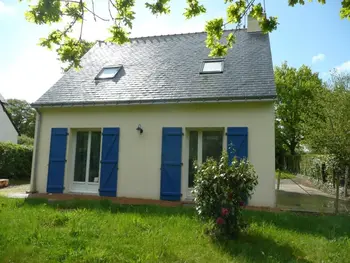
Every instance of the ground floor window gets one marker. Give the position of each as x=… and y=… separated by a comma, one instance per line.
x=87, y=157
x=202, y=145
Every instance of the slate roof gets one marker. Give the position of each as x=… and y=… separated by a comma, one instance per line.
x=165, y=69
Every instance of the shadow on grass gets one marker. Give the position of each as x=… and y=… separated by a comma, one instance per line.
x=256, y=248
x=328, y=226
x=108, y=206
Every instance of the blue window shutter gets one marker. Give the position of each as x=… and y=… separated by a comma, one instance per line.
x=237, y=145
x=57, y=160
x=170, y=188
x=237, y=142
x=109, y=162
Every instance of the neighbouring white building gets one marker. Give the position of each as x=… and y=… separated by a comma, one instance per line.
x=8, y=131
x=131, y=122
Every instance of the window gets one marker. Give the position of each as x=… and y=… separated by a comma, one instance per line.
x=213, y=66
x=203, y=145
x=87, y=157
x=108, y=72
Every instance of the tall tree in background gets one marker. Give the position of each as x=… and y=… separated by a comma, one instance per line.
x=70, y=44
x=331, y=134
x=296, y=104
x=23, y=116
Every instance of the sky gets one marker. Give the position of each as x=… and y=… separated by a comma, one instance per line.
x=313, y=35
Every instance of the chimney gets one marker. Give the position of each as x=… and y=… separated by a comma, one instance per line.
x=253, y=25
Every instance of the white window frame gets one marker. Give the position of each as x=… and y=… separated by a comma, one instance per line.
x=215, y=60
x=90, y=186
x=200, y=151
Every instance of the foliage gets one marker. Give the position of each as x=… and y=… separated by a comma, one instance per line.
x=25, y=140
x=331, y=134
x=23, y=116
x=221, y=190
x=284, y=175
x=98, y=231
x=311, y=165
x=70, y=48
x=15, y=161
x=296, y=104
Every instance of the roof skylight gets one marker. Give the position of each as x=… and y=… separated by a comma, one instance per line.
x=213, y=66
x=108, y=72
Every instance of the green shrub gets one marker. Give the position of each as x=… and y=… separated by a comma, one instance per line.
x=25, y=140
x=15, y=161
x=221, y=190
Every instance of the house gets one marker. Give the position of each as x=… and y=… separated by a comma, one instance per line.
x=8, y=130
x=131, y=122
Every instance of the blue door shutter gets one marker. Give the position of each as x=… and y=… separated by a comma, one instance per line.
x=109, y=162
x=170, y=186
x=237, y=142
x=57, y=160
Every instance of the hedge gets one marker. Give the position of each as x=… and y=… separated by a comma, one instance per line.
x=15, y=161
x=25, y=140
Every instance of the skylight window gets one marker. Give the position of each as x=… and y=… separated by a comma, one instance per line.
x=108, y=72
x=213, y=66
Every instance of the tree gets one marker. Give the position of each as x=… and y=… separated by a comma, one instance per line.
x=70, y=49
x=23, y=116
x=296, y=104
x=331, y=134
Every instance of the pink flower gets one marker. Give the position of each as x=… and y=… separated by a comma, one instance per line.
x=224, y=211
x=241, y=203
x=220, y=221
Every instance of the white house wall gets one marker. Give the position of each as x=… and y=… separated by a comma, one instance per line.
x=8, y=133
x=140, y=155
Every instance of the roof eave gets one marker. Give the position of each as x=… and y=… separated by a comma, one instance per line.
x=154, y=102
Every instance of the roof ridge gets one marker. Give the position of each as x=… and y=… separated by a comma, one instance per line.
x=170, y=35
x=182, y=34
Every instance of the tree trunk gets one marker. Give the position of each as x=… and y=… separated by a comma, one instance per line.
x=333, y=178
x=346, y=181
x=323, y=171
x=336, y=203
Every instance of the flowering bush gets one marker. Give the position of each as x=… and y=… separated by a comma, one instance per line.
x=221, y=190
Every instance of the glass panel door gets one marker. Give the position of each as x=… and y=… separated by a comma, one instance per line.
x=81, y=156
x=87, y=162
x=193, y=155
x=212, y=145
x=95, y=157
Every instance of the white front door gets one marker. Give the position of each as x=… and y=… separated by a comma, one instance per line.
x=202, y=145
x=87, y=162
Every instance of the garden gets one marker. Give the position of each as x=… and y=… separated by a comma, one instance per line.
x=34, y=230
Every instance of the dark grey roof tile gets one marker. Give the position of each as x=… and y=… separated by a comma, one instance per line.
x=167, y=68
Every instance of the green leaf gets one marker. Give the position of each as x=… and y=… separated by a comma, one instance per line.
x=160, y=7
x=236, y=11
x=193, y=9
x=119, y=35
x=45, y=12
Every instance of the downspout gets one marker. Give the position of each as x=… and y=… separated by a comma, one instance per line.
x=35, y=153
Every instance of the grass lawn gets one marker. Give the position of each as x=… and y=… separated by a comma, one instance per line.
x=34, y=231
x=285, y=175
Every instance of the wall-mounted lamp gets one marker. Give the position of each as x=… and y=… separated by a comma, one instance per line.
x=139, y=128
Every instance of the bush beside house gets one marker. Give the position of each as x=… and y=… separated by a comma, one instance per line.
x=15, y=161
x=221, y=190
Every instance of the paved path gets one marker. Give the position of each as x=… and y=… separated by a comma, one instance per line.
x=289, y=185
x=299, y=197
x=15, y=191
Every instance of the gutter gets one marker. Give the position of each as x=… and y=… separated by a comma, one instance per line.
x=35, y=153
x=153, y=102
